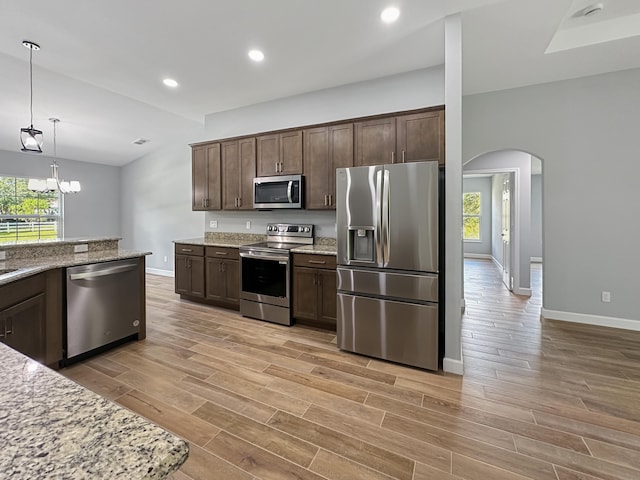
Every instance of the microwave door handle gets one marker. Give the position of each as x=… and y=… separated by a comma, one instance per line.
x=290, y=191
x=378, y=235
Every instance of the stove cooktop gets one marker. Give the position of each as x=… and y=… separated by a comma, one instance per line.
x=274, y=245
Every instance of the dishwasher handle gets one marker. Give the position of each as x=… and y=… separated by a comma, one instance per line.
x=103, y=272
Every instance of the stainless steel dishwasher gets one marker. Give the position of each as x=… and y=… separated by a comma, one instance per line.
x=103, y=304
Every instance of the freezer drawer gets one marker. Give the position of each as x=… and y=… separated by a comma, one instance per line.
x=421, y=287
x=402, y=332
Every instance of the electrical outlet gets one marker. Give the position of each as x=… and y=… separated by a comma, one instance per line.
x=3, y=255
x=248, y=225
x=82, y=248
x=606, y=296
x=213, y=224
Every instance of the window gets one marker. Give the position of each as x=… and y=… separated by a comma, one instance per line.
x=471, y=216
x=27, y=215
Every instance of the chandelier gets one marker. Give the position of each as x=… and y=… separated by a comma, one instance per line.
x=31, y=138
x=53, y=183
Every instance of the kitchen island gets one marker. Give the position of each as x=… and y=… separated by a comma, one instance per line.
x=51, y=427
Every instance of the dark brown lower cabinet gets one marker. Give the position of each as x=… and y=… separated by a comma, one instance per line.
x=223, y=277
x=23, y=319
x=189, y=270
x=314, y=290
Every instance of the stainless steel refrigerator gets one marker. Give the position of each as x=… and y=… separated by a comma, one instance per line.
x=387, y=235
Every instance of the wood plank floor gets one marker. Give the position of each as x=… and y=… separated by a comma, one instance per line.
x=539, y=400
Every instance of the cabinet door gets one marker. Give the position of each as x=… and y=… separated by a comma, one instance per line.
x=327, y=307
x=182, y=274
x=214, y=183
x=247, y=154
x=291, y=153
x=196, y=270
x=268, y=155
x=375, y=142
x=421, y=137
x=23, y=327
x=231, y=270
x=317, y=169
x=230, y=175
x=340, y=155
x=198, y=178
x=305, y=293
x=215, y=279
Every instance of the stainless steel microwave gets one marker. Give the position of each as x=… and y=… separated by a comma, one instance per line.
x=284, y=191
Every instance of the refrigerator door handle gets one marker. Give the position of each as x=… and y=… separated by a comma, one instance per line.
x=378, y=234
x=386, y=231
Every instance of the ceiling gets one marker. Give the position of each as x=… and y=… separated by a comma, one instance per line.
x=101, y=65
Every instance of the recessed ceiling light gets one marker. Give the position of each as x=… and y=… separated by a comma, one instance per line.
x=390, y=14
x=256, y=55
x=170, y=82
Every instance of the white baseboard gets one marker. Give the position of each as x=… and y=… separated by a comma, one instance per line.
x=536, y=259
x=496, y=262
x=484, y=256
x=451, y=365
x=612, y=322
x=157, y=271
x=522, y=291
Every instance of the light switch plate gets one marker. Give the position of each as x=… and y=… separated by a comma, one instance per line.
x=82, y=248
x=3, y=255
x=248, y=225
x=213, y=224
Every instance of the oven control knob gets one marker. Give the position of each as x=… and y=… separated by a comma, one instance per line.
x=269, y=228
x=307, y=229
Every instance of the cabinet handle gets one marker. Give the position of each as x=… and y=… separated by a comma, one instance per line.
x=2, y=331
x=393, y=157
x=186, y=250
x=318, y=262
x=403, y=156
x=222, y=253
x=326, y=197
x=330, y=199
x=8, y=331
x=277, y=166
x=239, y=201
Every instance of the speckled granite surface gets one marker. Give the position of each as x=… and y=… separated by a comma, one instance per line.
x=316, y=249
x=29, y=266
x=53, y=247
x=51, y=427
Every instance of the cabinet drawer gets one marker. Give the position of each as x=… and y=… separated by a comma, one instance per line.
x=223, y=252
x=314, y=261
x=186, y=249
x=16, y=292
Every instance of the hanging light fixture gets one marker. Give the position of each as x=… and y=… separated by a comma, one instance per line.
x=53, y=183
x=31, y=138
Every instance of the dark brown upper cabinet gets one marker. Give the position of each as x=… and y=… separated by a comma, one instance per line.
x=375, y=142
x=280, y=154
x=205, y=175
x=420, y=137
x=325, y=149
x=238, y=171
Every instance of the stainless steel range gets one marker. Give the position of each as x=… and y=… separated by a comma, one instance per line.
x=265, y=279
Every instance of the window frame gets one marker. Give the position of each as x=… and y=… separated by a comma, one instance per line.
x=38, y=217
x=472, y=215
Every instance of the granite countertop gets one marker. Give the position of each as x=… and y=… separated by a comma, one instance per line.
x=30, y=266
x=51, y=427
x=56, y=241
x=228, y=242
x=316, y=249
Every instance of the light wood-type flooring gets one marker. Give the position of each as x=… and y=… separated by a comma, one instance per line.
x=539, y=399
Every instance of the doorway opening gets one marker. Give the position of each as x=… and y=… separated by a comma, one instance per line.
x=507, y=185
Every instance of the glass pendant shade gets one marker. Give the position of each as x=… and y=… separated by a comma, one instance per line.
x=31, y=139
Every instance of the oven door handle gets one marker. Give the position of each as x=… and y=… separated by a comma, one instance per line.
x=260, y=256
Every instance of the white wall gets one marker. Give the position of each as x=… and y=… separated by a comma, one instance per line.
x=586, y=133
x=95, y=211
x=497, y=182
x=535, y=242
x=482, y=185
x=156, y=203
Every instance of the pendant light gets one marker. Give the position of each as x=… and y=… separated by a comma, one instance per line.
x=31, y=138
x=53, y=183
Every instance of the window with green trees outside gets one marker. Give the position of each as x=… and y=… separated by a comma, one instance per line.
x=471, y=215
x=27, y=215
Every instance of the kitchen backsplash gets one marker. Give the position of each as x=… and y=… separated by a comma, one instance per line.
x=236, y=222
